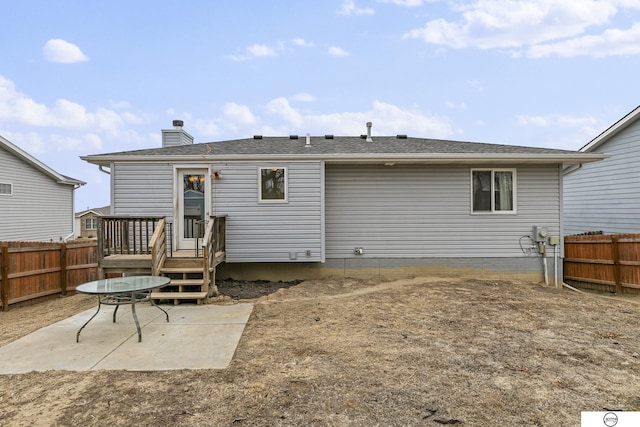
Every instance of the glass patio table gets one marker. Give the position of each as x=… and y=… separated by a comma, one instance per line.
x=120, y=291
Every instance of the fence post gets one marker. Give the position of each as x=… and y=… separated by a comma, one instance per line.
x=616, y=263
x=63, y=269
x=4, y=290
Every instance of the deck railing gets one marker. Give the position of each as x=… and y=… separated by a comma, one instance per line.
x=119, y=235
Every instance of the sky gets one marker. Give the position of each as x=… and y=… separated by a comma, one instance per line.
x=92, y=77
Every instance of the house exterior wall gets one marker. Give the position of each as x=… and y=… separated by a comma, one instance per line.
x=140, y=189
x=603, y=196
x=288, y=231
x=256, y=232
x=81, y=226
x=40, y=209
x=425, y=212
x=404, y=216
x=417, y=220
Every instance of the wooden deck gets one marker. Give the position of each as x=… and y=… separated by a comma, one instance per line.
x=192, y=272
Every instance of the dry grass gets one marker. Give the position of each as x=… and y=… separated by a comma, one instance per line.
x=419, y=352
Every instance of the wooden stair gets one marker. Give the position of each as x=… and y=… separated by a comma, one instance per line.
x=187, y=281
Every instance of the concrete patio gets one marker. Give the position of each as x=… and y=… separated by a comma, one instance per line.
x=196, y=337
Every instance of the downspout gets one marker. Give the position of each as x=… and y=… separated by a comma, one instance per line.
x=100, y=168
x=555, y=264
x=571, y=169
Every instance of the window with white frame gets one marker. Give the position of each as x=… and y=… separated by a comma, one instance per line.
x=6, y=189
x=273, y=184
x=91, y=223
x=493, y=190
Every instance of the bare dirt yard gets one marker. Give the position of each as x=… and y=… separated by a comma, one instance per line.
x=415, y=352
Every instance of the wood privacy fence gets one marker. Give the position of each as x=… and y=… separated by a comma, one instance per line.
x=30, y=270
x=603, y=262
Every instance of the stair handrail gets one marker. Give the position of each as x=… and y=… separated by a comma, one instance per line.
x=158, y=247
x=208, y=251
x=213, y=249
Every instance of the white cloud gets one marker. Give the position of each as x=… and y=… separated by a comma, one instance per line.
x=260, y=50
x=235, y=118
x=582, y=128
x=58, y=50
x=303, y=97
x=542, y=27
x=83, y=128
x=388, y=119
x=610, y=43
x=337, y=51
x=561, y=120
x=239, y=121
x=257, y=50
x=407, y=3
x=302, y=42
x=349, y=8
x=119, y=105
x=456, y=106
x=240, y=114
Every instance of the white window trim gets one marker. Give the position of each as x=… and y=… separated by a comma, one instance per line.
x=10, y=193
x=493, y=211
x=93, y=221
x=286, y=185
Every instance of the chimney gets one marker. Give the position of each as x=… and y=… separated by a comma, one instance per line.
x=176, y=136
x=369, y=124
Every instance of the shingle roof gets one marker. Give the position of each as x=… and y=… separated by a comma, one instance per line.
x=338, y=147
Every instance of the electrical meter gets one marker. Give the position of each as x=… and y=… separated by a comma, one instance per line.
x=539, y=233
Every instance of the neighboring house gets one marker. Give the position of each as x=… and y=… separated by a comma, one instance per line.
x=604, y=196
x=300, y=207
x=87, y=222
x=36, y=202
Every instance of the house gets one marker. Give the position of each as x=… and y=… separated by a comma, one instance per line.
x=86, y=223
x=36, y=202
x=359, y=206
x=604, y=196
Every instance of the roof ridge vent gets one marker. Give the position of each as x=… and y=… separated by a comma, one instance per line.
x=328, y=137
x=293, y=136
x=257, y=136
x=401, y=136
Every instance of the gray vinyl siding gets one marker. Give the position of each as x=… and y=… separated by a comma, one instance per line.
x=270, y=232
x=603, y=196
x=144, y=189
x=425, y=211
x=40, y=208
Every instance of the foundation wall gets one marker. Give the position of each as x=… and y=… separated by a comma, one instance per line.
x=530, y=269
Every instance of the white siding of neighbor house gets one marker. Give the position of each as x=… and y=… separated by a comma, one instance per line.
x=424, y=211
x=271, y=231
x=40, y=209
x=604, y=196
x=142, y=189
